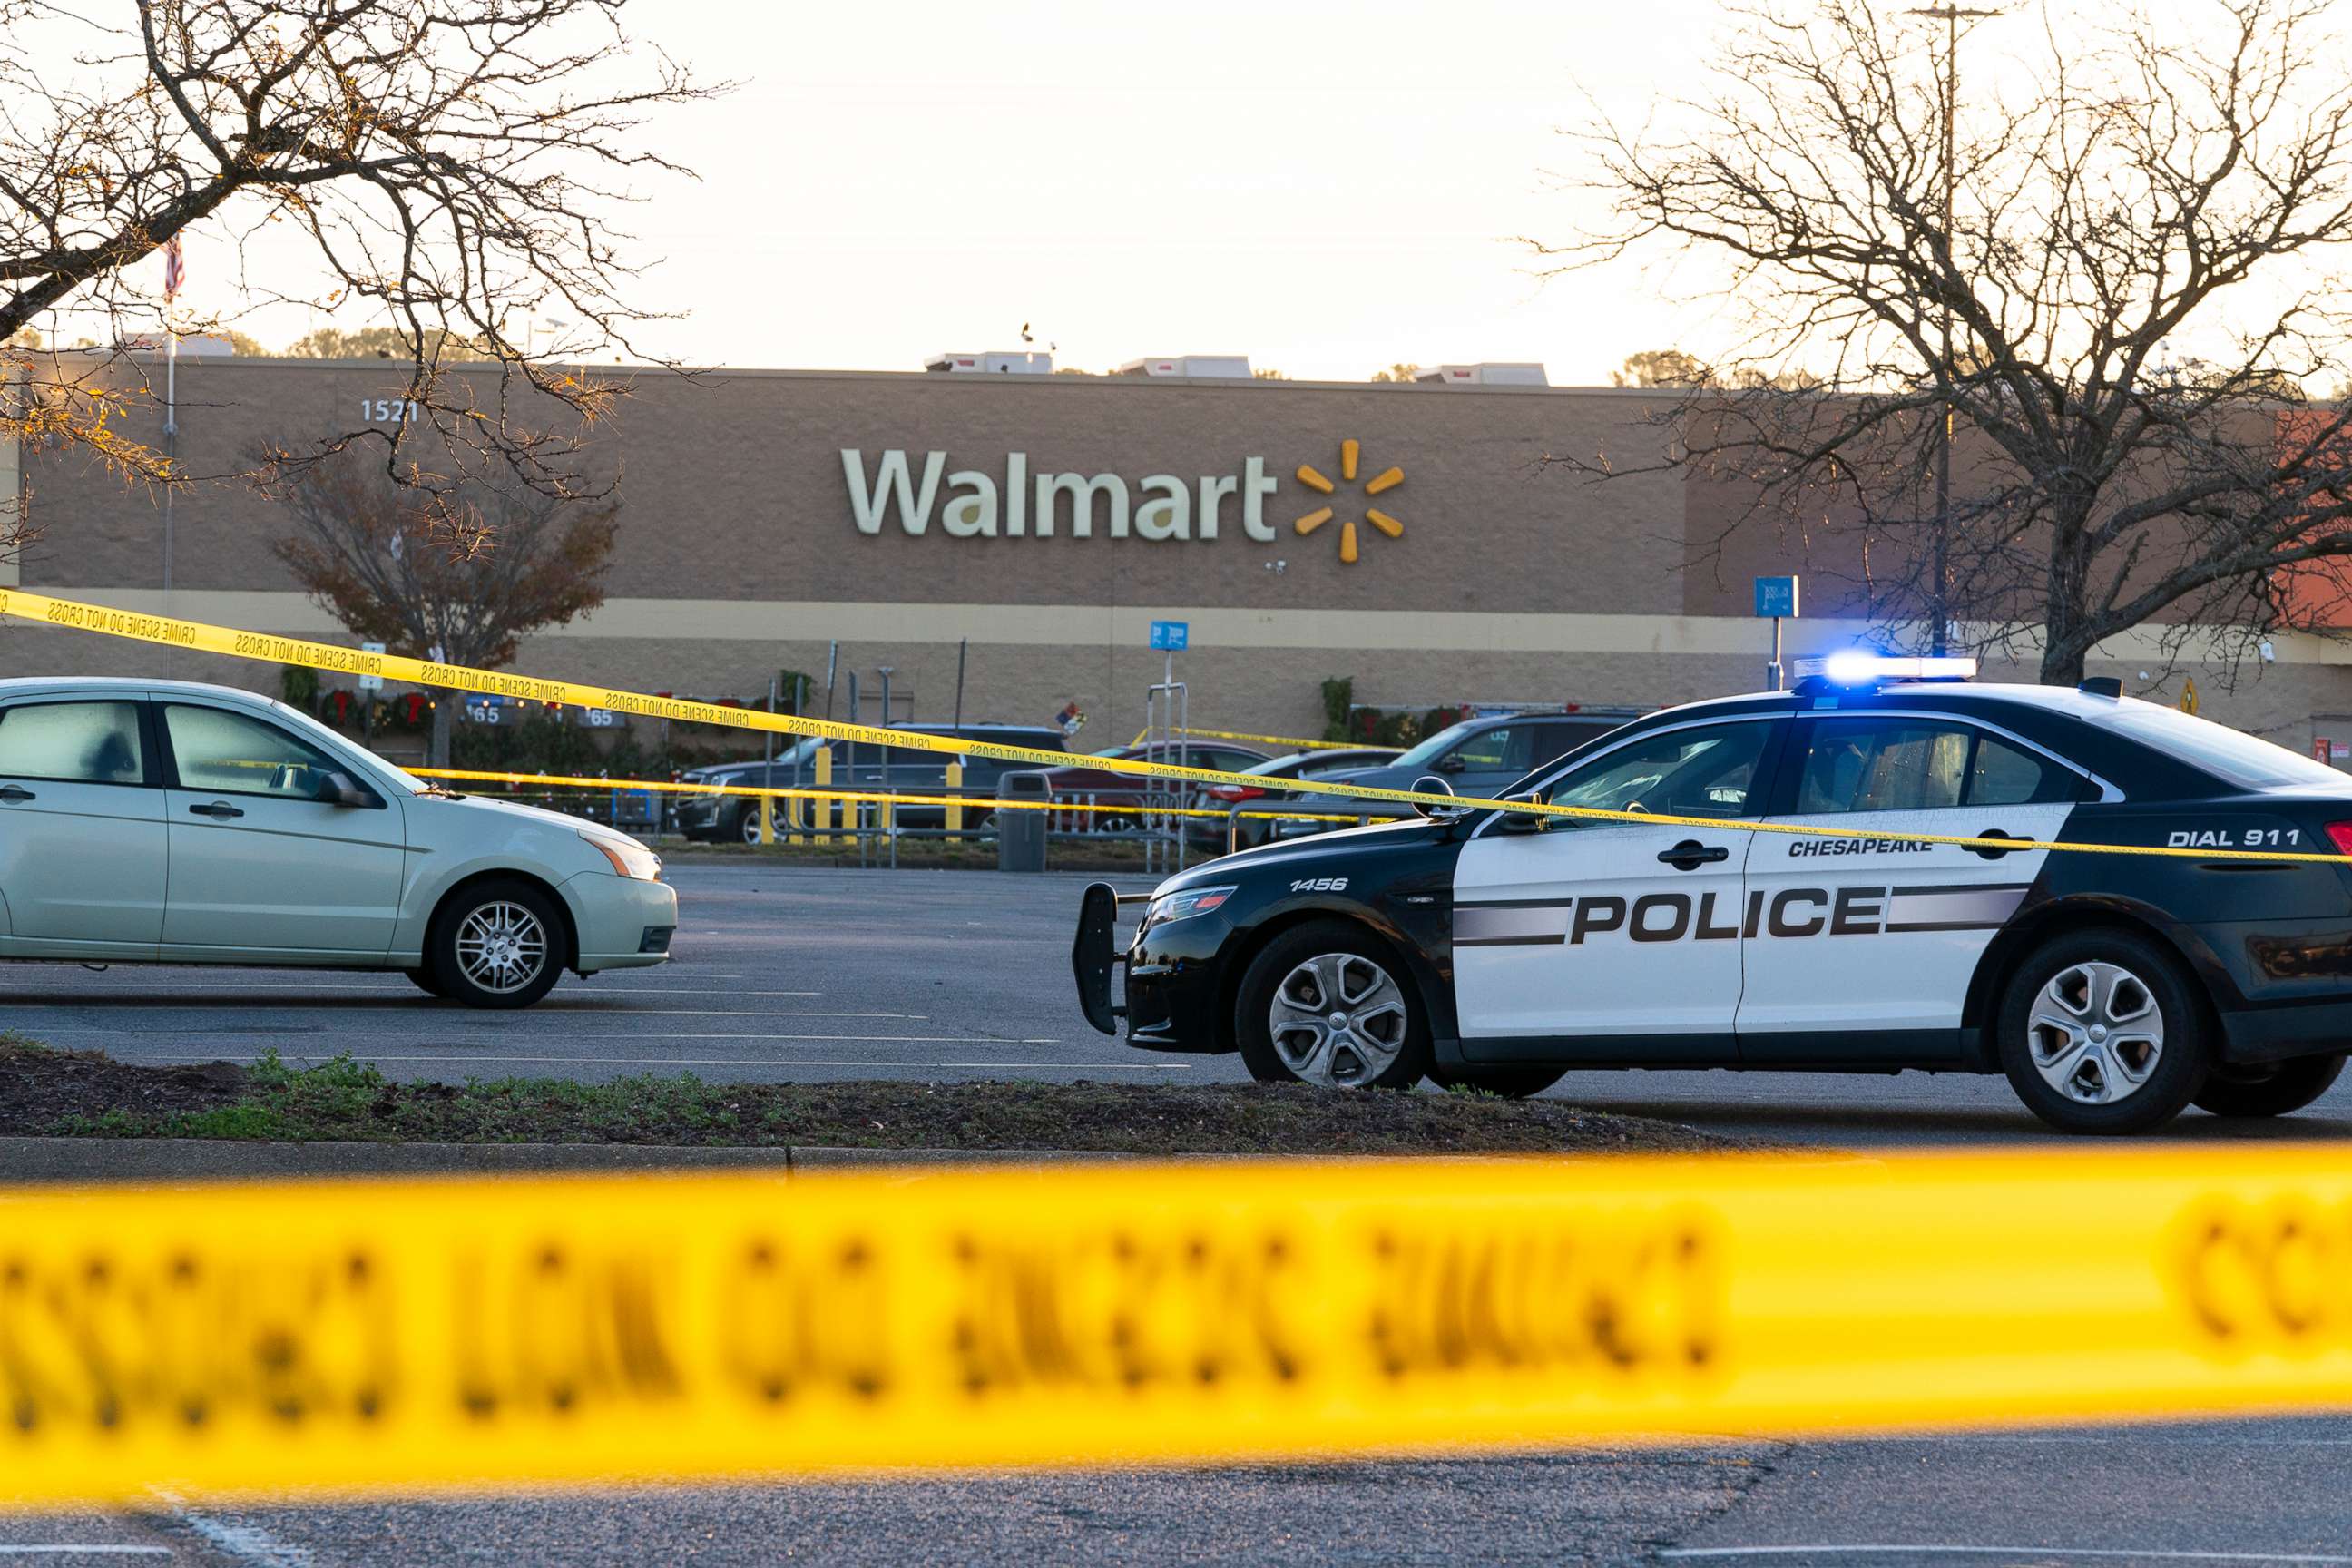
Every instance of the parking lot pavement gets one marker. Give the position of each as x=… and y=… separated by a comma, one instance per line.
x=1569, y=1509
x=2250, y=1492
x=2261, y=1492
x=787, y=972
x=779, y=973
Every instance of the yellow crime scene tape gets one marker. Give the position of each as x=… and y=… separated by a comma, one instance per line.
x=348, y=1337
x=1292, y=741
x=973, y=803
x=199, y=636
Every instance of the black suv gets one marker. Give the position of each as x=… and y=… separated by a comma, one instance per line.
x=1475, y=757
x=897, y=770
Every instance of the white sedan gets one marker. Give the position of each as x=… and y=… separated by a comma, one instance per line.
x=156, y=821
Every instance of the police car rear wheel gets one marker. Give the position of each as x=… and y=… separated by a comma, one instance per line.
x=1322, y=1003
x=2273, y=1090
x=2100, y=1032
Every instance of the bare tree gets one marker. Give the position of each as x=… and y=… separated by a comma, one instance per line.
x=1660, y=367
x=378, y=343
x=368, y=551
x=454, y=166
x=2098, y=312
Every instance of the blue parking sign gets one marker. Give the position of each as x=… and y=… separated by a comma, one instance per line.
x=1776, y=596
x=1171, y=637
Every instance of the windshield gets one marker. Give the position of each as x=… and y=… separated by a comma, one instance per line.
x=2241, y=759
x=1435, y=746
x=341, y=745
x=801, y=750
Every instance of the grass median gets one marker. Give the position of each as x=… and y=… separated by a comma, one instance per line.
x=54, y=1093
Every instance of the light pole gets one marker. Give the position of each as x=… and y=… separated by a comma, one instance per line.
x=1939, y=604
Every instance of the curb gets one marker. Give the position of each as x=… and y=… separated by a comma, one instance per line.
x=206, y=1158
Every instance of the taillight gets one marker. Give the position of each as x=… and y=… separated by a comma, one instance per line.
x=1246, y=792
x=2340, y=834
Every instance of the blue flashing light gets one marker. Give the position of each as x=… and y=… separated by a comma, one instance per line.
x=1862, y=667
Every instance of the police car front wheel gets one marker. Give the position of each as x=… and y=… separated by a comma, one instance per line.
x=2101, y=1032
x=1327, y=1004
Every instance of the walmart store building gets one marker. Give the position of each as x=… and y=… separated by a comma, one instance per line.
x=1410, y=537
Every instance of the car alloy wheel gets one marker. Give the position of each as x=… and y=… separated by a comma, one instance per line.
x=2103, y=1031
x=2095, y=1033
x=501, y=947
x=1338, y=1019
x=750, y=830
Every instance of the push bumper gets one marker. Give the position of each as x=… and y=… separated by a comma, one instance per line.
x=1169, y=1000
x=1093, y=952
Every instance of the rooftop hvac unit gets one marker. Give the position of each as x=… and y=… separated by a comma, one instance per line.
x=1485, y=375
x=1212, y=367
x=995, y=363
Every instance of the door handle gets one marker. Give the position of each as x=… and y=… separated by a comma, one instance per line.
x=216, y=809
x=1690, y=855
x=1992, y=854
x=14, y=792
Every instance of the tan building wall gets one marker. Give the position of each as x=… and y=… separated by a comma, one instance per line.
x=741, y=550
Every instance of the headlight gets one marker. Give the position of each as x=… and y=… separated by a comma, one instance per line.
x=629, y=858
x=1188, y=901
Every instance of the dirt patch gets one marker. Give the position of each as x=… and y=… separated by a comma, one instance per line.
x=61, y=1093
x=39, y=1087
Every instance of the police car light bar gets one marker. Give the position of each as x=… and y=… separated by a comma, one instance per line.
x=1855, y=668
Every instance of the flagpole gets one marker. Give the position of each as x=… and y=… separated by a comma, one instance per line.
x=171, y=444
x=173, y=274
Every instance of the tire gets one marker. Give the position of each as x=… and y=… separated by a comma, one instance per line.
x=1382, y=1039
x=2271, y=1090
x=747, y=826
x=2102, y=1032
x=426, y=980
x=1510, y=1083
x=497, y=945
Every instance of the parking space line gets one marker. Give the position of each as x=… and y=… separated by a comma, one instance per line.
x=233, y=1033
x=2027, y=1553
x=245, y=1542
x=750, y=1062
x=118, y=988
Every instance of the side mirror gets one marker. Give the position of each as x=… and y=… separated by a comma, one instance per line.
x=1529, y=821
x=341, y=789
x=1430, y=784
x=1449, y=764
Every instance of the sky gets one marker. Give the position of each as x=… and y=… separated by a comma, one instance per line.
x=1326, y=188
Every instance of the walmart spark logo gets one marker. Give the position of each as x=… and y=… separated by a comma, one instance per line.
x=1388, y=480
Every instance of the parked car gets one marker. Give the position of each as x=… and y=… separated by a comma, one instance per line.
x=1125, y=794
x=1476, y=757
x=1212, y=835
x=165, y=821
x=735, y=819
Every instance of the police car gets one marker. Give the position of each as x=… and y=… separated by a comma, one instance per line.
x=1499, y=949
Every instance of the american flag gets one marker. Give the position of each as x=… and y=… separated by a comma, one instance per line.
x=176, y=270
